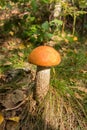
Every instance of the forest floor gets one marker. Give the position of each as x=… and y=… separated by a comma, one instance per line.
x=17, y=76
x=14, y=82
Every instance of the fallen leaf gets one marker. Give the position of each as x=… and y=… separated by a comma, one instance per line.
x=75, y=39
x=78, y=96
x=20, y=54
x=15, y=119
x=75, y=50
x=63, y=35
x=66, y=40
x=7, y=63
x=21, y=46
x=1, y=118
x=82, y=89
x=11, y=125
x=11, y=33
x=2, y=75
x=70, y=35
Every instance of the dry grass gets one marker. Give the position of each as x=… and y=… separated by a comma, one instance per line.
x=56, y=112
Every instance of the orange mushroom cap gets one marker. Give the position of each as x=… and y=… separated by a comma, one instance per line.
x=44, y=56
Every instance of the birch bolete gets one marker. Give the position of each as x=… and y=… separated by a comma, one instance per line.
x=44, y=57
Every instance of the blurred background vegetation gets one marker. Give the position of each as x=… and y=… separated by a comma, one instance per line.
x=26, y=24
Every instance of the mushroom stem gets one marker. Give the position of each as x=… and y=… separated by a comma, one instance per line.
x=42, y=82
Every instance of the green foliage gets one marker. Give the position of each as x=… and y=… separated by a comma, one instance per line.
x=36, y=25
x=82, y=3
x=56, y=24
x=36, y=32
x=72, y=64
x=62, y=87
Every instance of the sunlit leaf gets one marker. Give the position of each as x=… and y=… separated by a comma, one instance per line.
x=82, y=89
x=15, y=119
x=11, y=33
x=78, y=96
x=21, y=46
x=7, y=63
x=1, y=118
x=63, y=35
x=56, y=22
x=75, y=39
x=66, y=40
x=20, y=54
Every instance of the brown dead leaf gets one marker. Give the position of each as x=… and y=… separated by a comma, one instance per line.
x=20, y=54
x=2, y=76
x=11, y=125
x=63, y=35
x=2, y=126
x=11, y=99
x=82, y=89
x=78, y=96
x=7, y=63
x=66, y=40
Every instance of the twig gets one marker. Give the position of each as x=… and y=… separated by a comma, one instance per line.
x=16, y=107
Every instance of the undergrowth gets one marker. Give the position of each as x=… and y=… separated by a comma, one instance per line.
x=60, y=110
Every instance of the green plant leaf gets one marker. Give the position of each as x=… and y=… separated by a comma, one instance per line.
x=48, y=35
x=56, y=22
x=45, y=26
x=34, y=5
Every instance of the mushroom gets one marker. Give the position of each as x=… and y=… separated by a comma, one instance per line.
x=44, y=57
